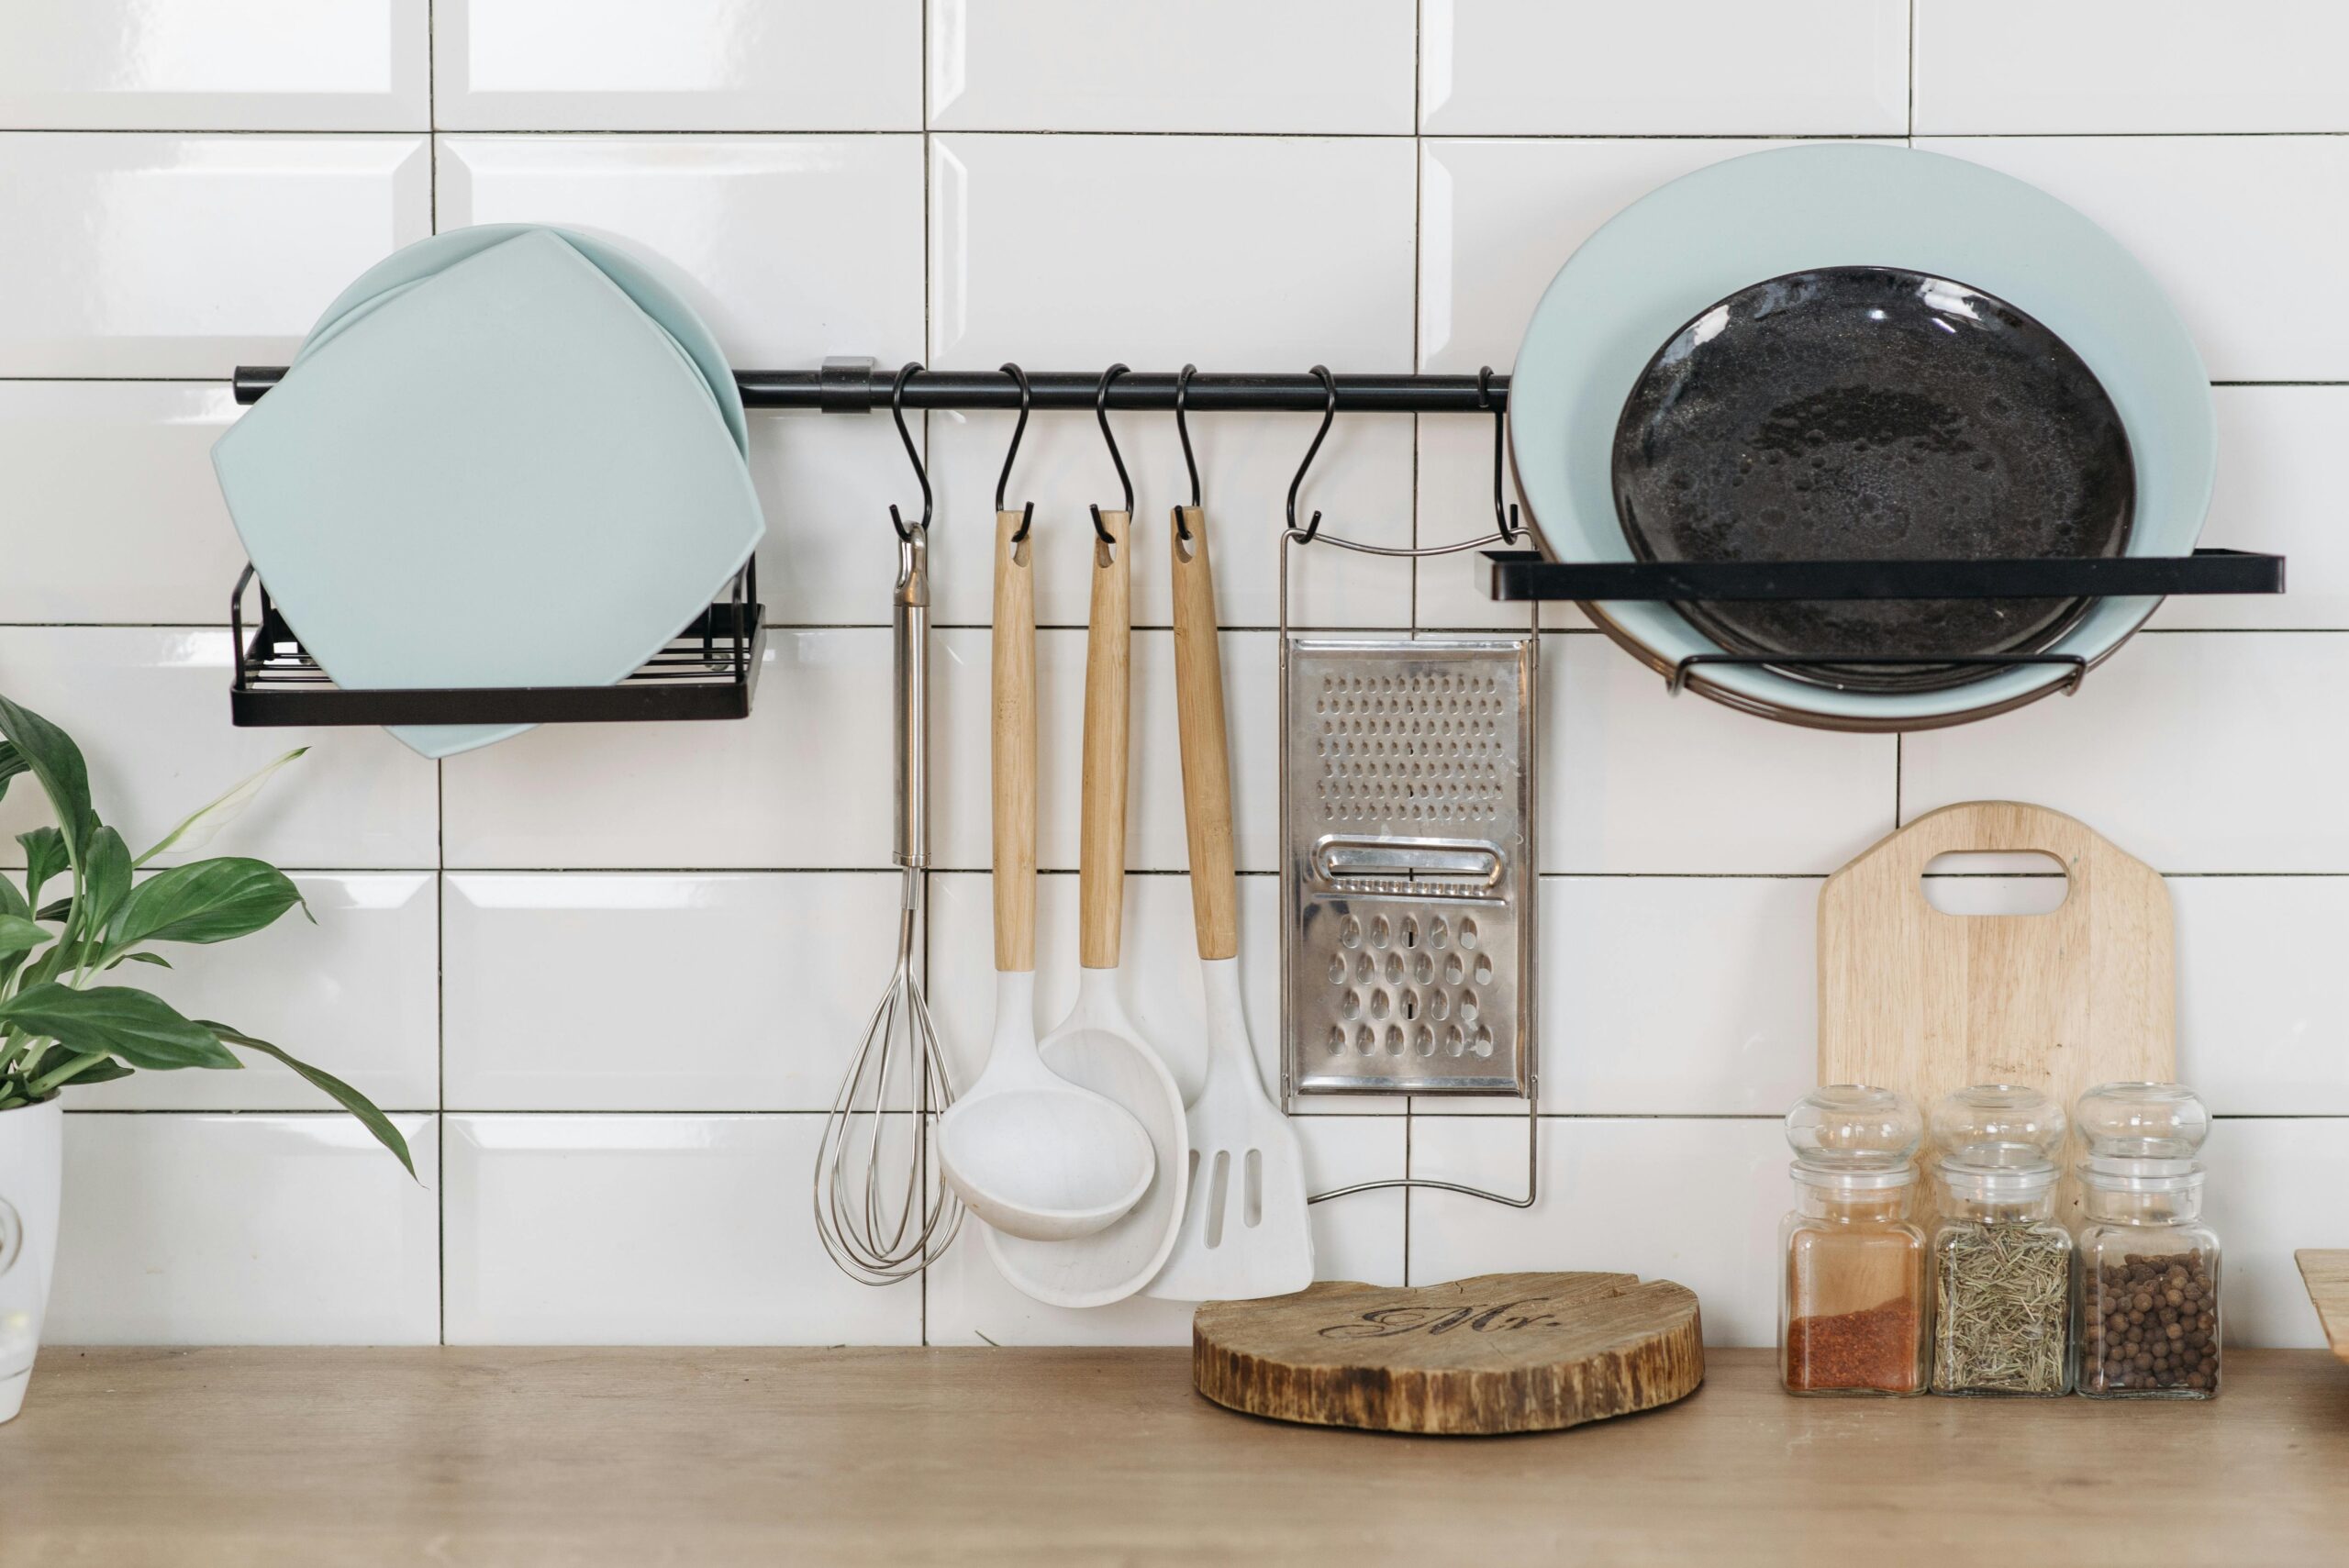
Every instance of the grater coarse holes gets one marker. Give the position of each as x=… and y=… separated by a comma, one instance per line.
x=1409, y=872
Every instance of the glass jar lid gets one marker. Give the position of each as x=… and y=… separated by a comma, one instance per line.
x=1855, y=1134
x=2007, y=1133
x=2141, y=1133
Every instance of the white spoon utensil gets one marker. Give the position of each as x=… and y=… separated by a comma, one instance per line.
x=1098, y=1046
x=1032, y=1153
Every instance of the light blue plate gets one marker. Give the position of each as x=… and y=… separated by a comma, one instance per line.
x=1660, y=261
x=427, y=514
x=403, y=267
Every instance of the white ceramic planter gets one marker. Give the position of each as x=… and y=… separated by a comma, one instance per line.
x=32, y=1171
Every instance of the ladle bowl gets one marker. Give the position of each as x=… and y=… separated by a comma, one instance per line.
x=1033, y=1154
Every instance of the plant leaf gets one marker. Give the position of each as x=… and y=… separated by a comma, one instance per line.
x=196, y=828
x=11, y=763
x=209, y=901
x=97, y=1073
x=106, y=880
x=54, y=760
x=45, y=856
x=141, y=1028
x=155, y=958
x=342, y=1093
x=13, y=902
x=19, y=935
x=55, y=910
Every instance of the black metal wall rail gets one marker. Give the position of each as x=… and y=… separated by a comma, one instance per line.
x=863, y=386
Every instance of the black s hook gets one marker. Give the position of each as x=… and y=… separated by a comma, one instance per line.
x=1003, y=479
x=1182, y=428
x=1505, y=521
x=1101, y=412
x=1328, y=413
x=898, y=411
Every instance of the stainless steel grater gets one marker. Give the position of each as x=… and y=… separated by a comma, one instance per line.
x=1408, y=822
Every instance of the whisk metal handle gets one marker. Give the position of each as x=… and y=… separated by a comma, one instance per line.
x=909, y=620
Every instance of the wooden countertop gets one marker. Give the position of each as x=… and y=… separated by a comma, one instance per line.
x=329, y=1457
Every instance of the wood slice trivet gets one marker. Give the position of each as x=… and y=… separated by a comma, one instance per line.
x=1913, y=999
x=1495, y=1354
x=2327, y=1274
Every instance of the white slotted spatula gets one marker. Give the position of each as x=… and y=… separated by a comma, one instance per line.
x=1245, y=1230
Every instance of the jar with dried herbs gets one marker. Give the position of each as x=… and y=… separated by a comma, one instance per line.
x=2148, y=1323
x=2002, y=1266
x=1852, y=1303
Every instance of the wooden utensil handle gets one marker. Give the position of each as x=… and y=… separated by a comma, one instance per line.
x=1101, y=846
x=1206, y=765
x=1013, y=746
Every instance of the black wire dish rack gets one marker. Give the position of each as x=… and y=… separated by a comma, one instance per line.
x=710, y=670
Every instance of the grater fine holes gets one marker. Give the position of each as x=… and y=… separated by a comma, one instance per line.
x=1394, y=1040
x=1410, y=1005
x=1452, y=1038
x=1439, y=1005
x=1337, y=970
x=1483, y=1040
x=1366, y=1040
x=1379, y=1004
x=1424, y=1040
x=1467, y=930
x=1350, y=1004
x=1438, y=933
x=1467, y=1006
x=1337, y=1043
x=1484, y=970
x=1453, y=970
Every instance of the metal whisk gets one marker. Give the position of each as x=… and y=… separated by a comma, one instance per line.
x=880, y=1208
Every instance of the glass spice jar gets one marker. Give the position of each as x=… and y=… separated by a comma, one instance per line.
x=2148, y=1268
x=2002, y=1266
x=1852, y=1307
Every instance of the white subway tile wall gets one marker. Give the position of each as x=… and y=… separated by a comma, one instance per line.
x=606, y=977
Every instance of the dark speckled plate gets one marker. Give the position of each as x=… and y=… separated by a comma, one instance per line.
x=1869, y=413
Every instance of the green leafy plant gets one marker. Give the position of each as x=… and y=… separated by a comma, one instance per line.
x=58, y=1025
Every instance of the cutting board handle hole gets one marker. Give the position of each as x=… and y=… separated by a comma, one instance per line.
x=1973, y=882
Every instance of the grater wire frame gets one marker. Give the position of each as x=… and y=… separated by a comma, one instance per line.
x=1529, y=1048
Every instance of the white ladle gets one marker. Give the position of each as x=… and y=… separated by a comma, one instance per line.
x=1031, y=1154
x=1098, y=1046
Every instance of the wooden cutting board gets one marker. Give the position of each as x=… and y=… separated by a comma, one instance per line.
x=2327, y=1274
x=1913, y=999
x=1495, y=1354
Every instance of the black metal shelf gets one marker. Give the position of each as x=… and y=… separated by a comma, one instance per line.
x=709, y=670
x=1521, y=576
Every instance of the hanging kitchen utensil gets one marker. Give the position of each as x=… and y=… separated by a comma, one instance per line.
x=1245, y=1232
x=1408, y=862
x=1872, y=414
x=1032, y=1153
x=1669, y=258
x=1925, y=1003
x=883, y=1219
x=1098, y=1045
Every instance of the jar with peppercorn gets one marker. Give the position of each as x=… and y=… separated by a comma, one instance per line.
x=1852, y=1307
x=2148, y=1268
x=2002, y=1266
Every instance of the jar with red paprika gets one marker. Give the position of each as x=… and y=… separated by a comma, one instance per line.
x=2147, y=1267
x=1852, y=1307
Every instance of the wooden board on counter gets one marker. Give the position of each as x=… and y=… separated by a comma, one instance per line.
x=1914, y=999
x=1495, y=1354
x=2327, y=1274
x=273, y=1457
